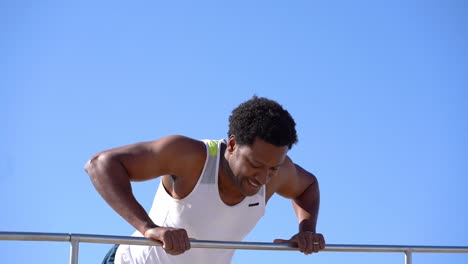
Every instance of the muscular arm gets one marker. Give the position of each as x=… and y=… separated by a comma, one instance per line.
x=307, y=204
x=112, y=171
x=302, y=188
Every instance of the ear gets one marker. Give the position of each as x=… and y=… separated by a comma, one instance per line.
x=231, y=144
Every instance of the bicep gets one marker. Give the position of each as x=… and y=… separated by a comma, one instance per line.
x=294, y=180
x=148, y=160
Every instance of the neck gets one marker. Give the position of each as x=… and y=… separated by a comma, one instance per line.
x=227, y=181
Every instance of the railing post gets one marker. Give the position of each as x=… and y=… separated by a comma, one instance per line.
x=74, y=249
x=408, y=257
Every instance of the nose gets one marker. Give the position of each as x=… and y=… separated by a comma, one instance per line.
x=263, y=176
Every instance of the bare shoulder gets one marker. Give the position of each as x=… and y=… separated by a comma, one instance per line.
x=171, y=155
x=179, y=155
x=291, y=180
x=178, y=145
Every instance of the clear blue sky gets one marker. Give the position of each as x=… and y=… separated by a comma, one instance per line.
x=378, y=90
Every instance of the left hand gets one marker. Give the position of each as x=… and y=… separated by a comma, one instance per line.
x=307, y=241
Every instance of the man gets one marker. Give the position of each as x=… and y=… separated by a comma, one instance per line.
x=210, y=190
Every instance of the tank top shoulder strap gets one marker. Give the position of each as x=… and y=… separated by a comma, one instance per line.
x=210, y=171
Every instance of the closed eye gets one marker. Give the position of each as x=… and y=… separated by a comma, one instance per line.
x=255, y=166
x=275, y=168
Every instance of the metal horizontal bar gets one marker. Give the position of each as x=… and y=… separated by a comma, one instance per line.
x=395, y=248
x=107, y=239
x=35, y=236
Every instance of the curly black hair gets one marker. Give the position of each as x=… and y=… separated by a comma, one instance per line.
x=263, y=118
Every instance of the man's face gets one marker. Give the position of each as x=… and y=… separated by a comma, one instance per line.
x=254, y=165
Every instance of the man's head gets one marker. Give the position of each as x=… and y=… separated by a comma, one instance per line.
x=260, y=134
x=263, y=118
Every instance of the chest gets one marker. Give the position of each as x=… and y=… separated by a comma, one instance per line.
x=203, y=214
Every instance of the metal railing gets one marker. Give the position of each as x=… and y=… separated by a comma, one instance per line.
x=75, y=239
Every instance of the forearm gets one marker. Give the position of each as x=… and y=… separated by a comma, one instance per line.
x=111, y=180
x=306, y=207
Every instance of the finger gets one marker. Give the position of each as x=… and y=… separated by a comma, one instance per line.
x=167, y=242
x=280, y=241
x=315, y=245
x=310, y=245
x=303, y=244
x=187, y=244
x=318, y=243
x=186, y=240
x=322, y=242
x=179, y=243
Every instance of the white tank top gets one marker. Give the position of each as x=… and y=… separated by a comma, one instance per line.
x=203, y=214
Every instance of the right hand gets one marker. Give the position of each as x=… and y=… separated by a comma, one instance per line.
x=174, y=241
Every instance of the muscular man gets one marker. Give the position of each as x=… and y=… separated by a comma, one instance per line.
x=210, y=189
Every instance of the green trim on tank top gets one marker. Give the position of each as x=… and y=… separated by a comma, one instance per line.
x=213, y=147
